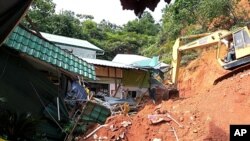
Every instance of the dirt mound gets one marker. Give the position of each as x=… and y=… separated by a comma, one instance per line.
x=199, y=75
x=217, y=106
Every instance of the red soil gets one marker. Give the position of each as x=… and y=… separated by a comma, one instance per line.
x=205, y=110
x=199, y=75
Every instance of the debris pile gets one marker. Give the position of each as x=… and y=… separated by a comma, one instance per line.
x=204, y=111
x=152, y=122
x=117, y=105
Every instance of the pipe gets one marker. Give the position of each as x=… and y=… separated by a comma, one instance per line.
x=58, y=109
x=90, y=134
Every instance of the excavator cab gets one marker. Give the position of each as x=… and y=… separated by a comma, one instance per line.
x=238, y=43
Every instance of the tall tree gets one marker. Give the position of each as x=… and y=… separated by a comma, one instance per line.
x=90, y=28
x=65, y=23
x=40, y=11
x=145, y=25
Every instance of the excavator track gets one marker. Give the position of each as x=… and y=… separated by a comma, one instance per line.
x=232, y=73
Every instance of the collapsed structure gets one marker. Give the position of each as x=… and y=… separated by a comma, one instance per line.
x=54, y=87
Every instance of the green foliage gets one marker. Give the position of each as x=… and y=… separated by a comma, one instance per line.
x=40, y=13
x=43, y=7
x=65, y=24
x=124, y=42
x=188, y=56
x=91, y=30
x=133, y=37
x=15, y=126
x=83, y=16
x=106, y=26
x=210, y=9
x=140, y=36
x=145, y=25
x=193, y=17
x=43, y=16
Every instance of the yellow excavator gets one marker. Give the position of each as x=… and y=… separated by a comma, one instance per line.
x=238, y=41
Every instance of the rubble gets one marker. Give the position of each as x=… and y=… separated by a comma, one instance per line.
x=175, y=134
x=200, y=100
x=126, y=123
x=169, y=116
x=116, y=105
x=113, y=128
x=158, y=118
x=90, y=134
x=156, y=139
x=122, y=135
x=181, y=119
x=195, y=131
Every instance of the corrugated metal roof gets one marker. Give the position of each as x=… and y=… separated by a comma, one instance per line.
x=28, y=43
x=70, y=41
x=128, y=59
x=132, y=59
x=107, y=63
x=147, y=62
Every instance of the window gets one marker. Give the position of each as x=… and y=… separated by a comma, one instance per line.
x=241, y=38
x=238, y=39
x=246, y=37
x=132, y=94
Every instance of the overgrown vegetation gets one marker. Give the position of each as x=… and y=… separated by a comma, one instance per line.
x=198, y=16
x=142, y=36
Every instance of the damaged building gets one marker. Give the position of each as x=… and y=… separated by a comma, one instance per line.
x=40, y=85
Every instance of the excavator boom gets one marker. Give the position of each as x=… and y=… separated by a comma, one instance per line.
x=205, y=40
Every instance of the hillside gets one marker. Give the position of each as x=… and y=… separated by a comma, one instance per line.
x=205, y=110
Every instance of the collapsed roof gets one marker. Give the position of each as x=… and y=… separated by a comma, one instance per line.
x=27, y=42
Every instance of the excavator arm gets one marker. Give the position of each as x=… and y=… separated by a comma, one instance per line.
x=204, y=40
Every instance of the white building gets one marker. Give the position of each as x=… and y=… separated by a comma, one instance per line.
x=78, y=47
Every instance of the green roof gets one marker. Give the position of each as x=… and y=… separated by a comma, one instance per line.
x=30, y=44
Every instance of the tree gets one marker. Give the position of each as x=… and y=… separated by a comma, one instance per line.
x=107, y=26
x=144, y=25
x=90, y=28
x=192, y=17
x=84, y=17
x=65, y=23
x=40, y=11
